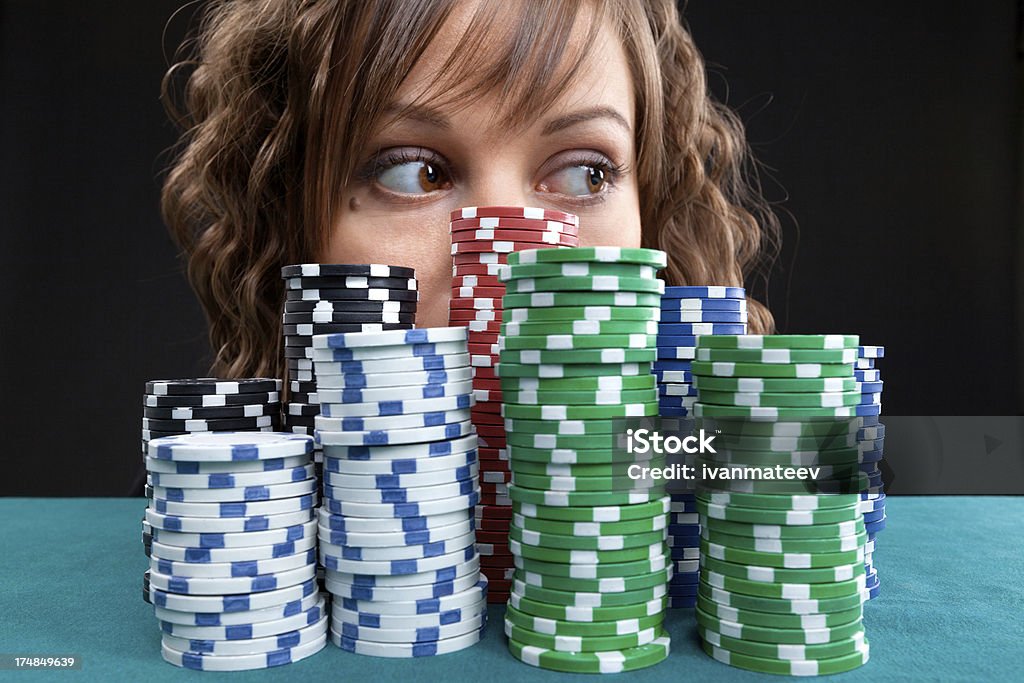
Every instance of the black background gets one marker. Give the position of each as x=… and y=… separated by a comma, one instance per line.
x=892, y=131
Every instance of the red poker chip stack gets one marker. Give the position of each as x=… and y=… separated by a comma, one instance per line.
x=482, y=239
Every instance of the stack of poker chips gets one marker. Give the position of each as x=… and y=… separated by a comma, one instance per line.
x=324, y=298
x=688, y=311
x=782, y=580
x=870, y=442
x=233, y=563
x=182, y=406
x=482, y=239
x=400, y=483
x=588, y=542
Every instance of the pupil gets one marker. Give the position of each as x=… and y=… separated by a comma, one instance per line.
x=596, y=177
x=429, y=174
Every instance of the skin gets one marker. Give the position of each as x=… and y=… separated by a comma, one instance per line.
x=577, y=157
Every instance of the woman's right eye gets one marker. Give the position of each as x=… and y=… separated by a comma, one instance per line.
x=415, y=176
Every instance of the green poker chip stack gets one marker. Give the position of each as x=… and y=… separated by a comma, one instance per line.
x=782, y=581
x=589, y=543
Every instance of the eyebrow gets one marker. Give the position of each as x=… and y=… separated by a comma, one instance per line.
x=434, y=117
x=584, y=115
x=421, y=113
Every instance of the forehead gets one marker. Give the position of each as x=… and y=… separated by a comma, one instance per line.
x=521, y=60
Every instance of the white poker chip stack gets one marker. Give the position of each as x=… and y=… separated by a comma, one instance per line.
x=400, y=483
x=327, y=298
x=232, y=573
x=686, y=313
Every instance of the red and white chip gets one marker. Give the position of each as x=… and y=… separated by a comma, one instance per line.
x=532, y=236
x=534, y=213
x=477, y=292
x=476, y=303
x=477, y=281
x=497, y=223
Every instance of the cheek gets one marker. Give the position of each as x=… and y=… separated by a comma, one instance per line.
x=615, y=225
x=393, y=240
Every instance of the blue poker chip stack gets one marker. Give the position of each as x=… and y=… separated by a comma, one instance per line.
x=232, y=573
x=870, y=441
x=400, y=484
x=329, y=298
x=171, y=407
x=687, y=312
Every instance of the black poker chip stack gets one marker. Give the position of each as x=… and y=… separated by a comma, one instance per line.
x=327, y=298
x=206, y=404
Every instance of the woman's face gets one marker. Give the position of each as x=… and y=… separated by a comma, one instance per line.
x=417, y=167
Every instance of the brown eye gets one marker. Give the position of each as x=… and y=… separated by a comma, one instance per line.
x=431, y=178
x=414, y=177
x=577, y=181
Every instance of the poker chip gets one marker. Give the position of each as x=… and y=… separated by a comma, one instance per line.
x=482, y=240
x=585, y=549
x=209, y=385
x=400, y=481
x=780, y=574
x=231, y=532
x=359, y=294
x=350, y=282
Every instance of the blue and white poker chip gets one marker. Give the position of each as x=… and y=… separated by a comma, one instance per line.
x=396, y=481
x=386, y=524
x=261, y=629
x=356, y=380
x=393, y=422
x=241, y=494
x=430, y=362
x=407, y=466
x=238, y=568
x=244, y=602
x=423, y=509
x=384, y=453
x=229, y=446
x=191, y=554
x=390, y=567
x=410, y=593
x=703, y=292
x=406, y=650
x=274, y=612
x=412, y=634
x=390, y=338
x=226, y=469
x=230, y=480
x=440, y=575
x=733, y=317
x=398, y=552
x=692, y=304
x=257, y=508
x=230, y=586
x=401, y=407
x=371, y=612
x=200, y=542
x=226, y=525
x=694, y=329
x=673, y=376
x=384, y=437
x=281, y=653
x=871, y=351
x=390, y=394
x=415, y=494
x=377, y=354
x=397, y=538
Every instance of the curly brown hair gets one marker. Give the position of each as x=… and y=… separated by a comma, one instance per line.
x=264, y=85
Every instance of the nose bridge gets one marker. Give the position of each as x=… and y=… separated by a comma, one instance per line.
x=501, y=171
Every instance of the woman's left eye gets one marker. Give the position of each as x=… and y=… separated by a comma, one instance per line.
x=581, y=180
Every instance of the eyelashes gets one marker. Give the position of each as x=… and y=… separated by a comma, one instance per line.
x=412, y=173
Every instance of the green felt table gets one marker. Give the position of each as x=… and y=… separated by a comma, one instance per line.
x=951, y=606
